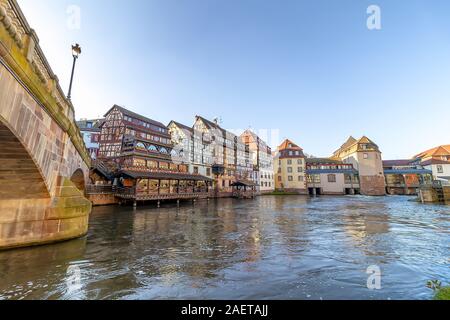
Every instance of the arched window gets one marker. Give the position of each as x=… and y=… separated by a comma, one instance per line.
x=163, y=150
x=152, y=148
x=141, y=146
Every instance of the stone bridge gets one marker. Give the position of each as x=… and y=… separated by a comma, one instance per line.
x=43, y=161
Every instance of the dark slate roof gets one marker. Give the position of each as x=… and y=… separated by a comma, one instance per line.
x=244, y=183
x=397, y=163
x=136, y=116
x=408, y=171
x=164, y=175
x=331, y=171
x=322, y=161
x=82, y=124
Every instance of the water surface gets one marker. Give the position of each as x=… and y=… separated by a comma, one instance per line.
x=289, y=247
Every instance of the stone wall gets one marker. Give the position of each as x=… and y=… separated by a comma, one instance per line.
x=40, y=147
x=102, y=199
x=46, y=143
x=373, y=185
x=30, y=222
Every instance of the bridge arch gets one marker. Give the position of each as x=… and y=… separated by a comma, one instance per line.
x=78, y=180
x=20, y=177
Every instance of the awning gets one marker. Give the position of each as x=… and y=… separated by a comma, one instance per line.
x=164, y=176
x=243, y=183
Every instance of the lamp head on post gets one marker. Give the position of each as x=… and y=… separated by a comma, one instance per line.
x=76, y=51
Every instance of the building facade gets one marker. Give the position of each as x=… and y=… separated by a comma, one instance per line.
x=365, y=156
x=290, y=168
x=223, y=157
x=90, y=131
x=438, y=161
x=262, y=160
x=331, y=177
x=405, y=177
x=142, y=151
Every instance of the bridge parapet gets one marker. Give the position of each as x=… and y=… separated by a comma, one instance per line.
x=44, y=164
x=20, y=50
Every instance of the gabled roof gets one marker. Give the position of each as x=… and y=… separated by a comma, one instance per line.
x=289, y=145
x=211, y=125
x=443, y=150
x=434, y=161
x=364, y=139
x=181, y=126
x=136, y=116
x=82, y=124
x=352, y=141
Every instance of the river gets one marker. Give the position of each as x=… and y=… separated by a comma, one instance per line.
x=274, y=247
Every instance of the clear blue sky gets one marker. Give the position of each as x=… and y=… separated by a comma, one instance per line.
x=309, y=68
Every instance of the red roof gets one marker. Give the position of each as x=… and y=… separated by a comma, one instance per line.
x=289, y=145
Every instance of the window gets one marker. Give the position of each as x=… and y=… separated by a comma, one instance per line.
x=291, y=178
x=164, y=165
x=300, y=178
x=300, y=169
x=331, y=178
x=195, y=170
x=440, y=169
x=300, y=161
x=152, y=164
x=289, y=162
x=289, y=170
x=208, y=171
x=152, y=148
x=139, y=163
x=366, y=156
x=140, y=146
x=279, y=178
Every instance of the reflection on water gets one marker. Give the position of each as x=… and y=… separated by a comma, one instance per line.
x=270, y=248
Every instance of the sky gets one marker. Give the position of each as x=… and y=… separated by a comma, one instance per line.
x=307, y=70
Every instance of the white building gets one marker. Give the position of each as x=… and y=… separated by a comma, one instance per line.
x=438, y=161
x=90, y=131
x=191, y=147
x=262, y=160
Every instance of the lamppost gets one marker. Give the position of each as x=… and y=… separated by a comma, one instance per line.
x=76, y=51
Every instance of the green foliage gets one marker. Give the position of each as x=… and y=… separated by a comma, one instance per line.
x=441, y=293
